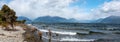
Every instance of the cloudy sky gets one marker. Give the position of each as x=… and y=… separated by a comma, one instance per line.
x=78, y=9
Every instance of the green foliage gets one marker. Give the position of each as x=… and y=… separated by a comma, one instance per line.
x=5, y=9
x=22, y=21
x=1, y=16
x=0, y=20
x=7, y=17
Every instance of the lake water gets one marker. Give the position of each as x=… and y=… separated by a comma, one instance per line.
x=80, y=32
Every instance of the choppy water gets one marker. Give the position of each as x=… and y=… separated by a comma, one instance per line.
x=79, y=32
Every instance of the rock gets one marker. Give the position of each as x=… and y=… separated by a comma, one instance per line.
x=40, y=34
x=33, y=29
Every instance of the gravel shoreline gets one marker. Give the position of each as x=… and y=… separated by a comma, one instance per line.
x=12, y=36
x=23, y=33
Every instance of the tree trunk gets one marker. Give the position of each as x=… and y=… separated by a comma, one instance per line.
x=12, y=25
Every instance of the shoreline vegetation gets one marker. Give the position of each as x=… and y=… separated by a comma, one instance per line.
x=12, y=30
x=32, y=34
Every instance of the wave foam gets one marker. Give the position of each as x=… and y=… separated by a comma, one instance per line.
x=60, y=32
x=75, y=39
x=71, y=39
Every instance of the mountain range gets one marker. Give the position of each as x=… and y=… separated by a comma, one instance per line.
x=111, y=19
x=56, y=19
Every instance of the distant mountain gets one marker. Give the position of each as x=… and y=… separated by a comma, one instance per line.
x=86, y=21
x=56, y=19
x=97, y=20
x=49, y=19
x=72, y=20
x=24, y=18
x=111, y=19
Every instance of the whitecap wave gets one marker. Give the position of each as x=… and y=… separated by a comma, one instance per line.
x=75, y=39
x=70, y=39
x=65, y=33
x=60, y=32
x=43, y=30
x=51, y=39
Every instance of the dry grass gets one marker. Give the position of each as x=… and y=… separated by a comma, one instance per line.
x=30, y=35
